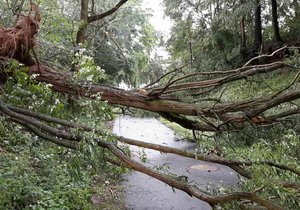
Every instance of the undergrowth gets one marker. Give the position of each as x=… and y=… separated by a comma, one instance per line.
x=36, y=174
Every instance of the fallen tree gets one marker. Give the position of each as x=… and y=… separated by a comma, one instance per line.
x=216, y=117
x=71, y=141
x=157, y=99
x=234, y=164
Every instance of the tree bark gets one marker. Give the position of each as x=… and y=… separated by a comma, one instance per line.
x=58, y=138
x=134, y=98
x=206, y=117
x=224, y=113
x=80, y=38
x=277, y=36
x=86, y=19
x=243, y=47
x=107, y=13
x=37, y=119
x=257, y=27
x=296, y=9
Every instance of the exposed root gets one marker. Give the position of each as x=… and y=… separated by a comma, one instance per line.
x=16, y=42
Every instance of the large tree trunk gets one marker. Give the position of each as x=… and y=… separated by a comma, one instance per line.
x=172, y=109
x=35, y=123
x=257, y=27
x=210, y=118
x=243, y=47
x=155, y=99
x=277, y=36
x=80, y=38
x=296, y=9
x=86, y=19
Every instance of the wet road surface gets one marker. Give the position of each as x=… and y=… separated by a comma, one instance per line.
x=146, y=193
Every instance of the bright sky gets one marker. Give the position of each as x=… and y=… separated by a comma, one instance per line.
x=160, y=22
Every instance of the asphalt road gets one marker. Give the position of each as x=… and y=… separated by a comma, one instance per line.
x=146, y=193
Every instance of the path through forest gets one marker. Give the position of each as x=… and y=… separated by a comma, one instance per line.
x=144, y=192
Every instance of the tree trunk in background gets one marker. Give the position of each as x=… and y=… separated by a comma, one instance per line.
x=218, y=8
x=243, y=47
x=85, y=20
x=296, y=8
x=277, y=36
x=80, y=38
x=257, y=27
x=93, y=9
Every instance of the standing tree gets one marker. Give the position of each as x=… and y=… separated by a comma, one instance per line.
x=86, y=19
x=243, y=44
x=296, y=8
x=277, y=36
x=258, y=40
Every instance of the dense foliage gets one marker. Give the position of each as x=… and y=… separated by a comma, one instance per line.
x=214, y=30
x=120, y=44
x=210, y=32
x=39, y=175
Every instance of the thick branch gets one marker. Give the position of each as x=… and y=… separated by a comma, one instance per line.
x=172, y=181
x=291, y=185
x=48, y=118
x=189, y=189
x=107, y=13
x=55, y=140
x=222, y=112
x=38, y=124
x=80, y=37
x=170, y=88
x=188, y=123
x=184, y=153
x=283, y=114
x=127, y=162
x=234, y=164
